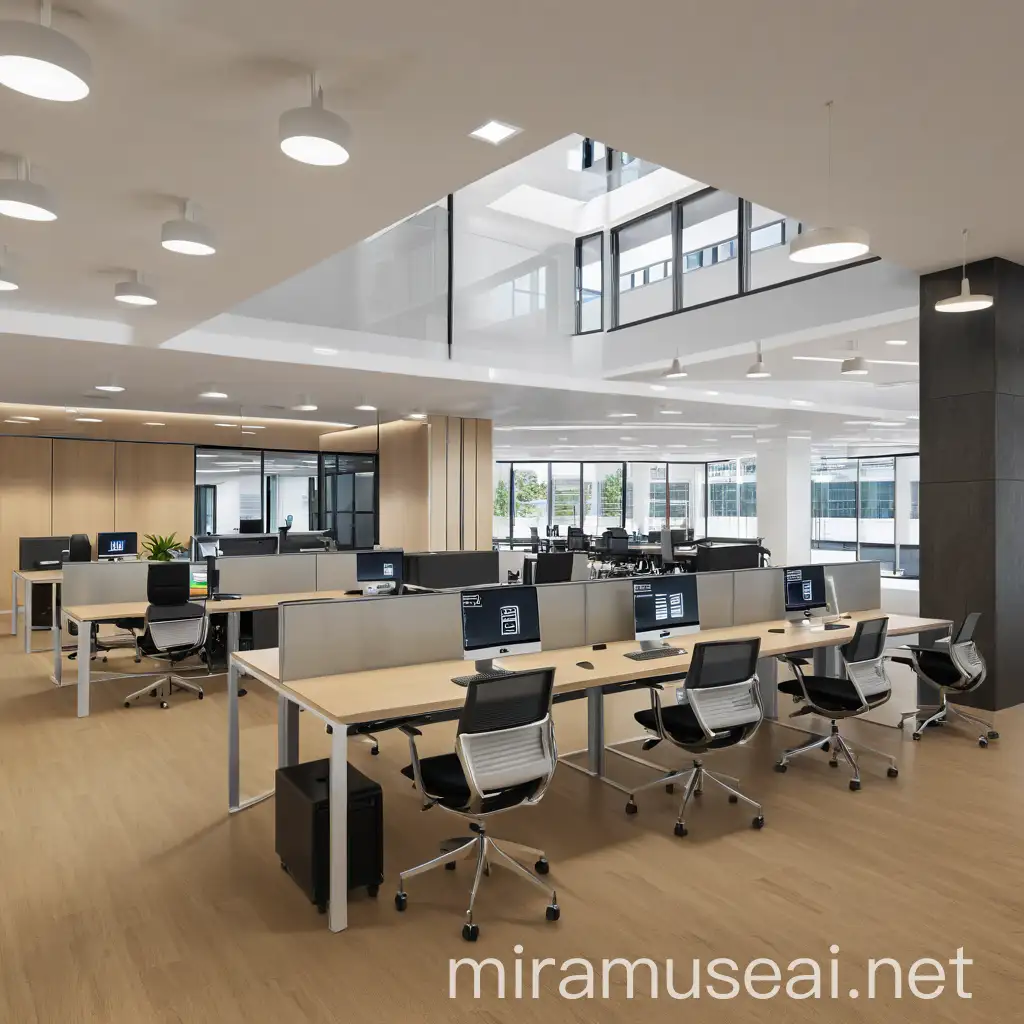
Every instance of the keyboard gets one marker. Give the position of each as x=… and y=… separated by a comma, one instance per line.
x=658, y=652
x=480, y=677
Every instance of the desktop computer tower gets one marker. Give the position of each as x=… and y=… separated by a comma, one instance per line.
x=303, y=828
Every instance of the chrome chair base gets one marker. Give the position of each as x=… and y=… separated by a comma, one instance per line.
x=486, y=850
x=163, y=688
x=837, y=746
x=693, y=780
x=942, y=714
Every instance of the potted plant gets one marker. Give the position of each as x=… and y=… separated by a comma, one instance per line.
x=161, y=549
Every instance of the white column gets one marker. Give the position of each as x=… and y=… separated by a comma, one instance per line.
x=639, y=474
x=784, y=499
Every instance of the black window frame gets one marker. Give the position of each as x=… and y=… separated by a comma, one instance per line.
x=578, y=283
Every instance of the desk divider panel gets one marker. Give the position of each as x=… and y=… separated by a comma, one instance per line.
x=757, y=596
x=580, y=566
x=715, y=598
x=336, y=571
x=320, y=638
x=609, y=611
x=103, y=582
x=563, y=614
x=858, y=585
x=267, y=574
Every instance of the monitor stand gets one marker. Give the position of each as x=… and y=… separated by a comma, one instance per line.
x=653, y=645
x=486, y=666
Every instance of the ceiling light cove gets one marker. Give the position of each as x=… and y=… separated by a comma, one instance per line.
x=495, y=132
x=305, y=407
x=39, y=61
x=366, y=408
x=109, y=387
x=212, y=394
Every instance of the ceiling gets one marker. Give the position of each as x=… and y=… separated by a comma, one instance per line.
x=187, y=94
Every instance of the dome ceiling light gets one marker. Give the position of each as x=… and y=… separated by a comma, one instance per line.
x=39, y=61
x=313, y=134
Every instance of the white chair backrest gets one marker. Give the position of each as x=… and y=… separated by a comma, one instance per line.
x=969, y=663
x=172, y=634
x=870, y=677
x=727, y=707
x=508, y=757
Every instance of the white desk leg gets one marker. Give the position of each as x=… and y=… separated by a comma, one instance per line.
x=57, y=630
x=338, y=911
x=84, y=665
x=26, y=617
x=14, y=604
x=595, y=731
x=234, y=630
x=287, y=732
x=233, y=754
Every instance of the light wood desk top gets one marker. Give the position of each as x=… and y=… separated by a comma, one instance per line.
x=40, y=575
x=246, y=603
x=420, y=689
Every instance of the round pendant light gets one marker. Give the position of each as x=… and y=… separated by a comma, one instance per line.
x=187, y=236
x=314, y=135
x=967, y=301
x=24, y=199
x=829, y=244
x=757, y=370
x=134, y=293
x=675, y=370
x=39, y=61
x=855, y=366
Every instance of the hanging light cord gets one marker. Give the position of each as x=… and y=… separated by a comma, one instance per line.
x=45, y=13
x=828, y=177
x=963, y=266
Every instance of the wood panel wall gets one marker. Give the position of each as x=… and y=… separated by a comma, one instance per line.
x=25, y=473
x=461, y=483
x=154, y=485
x=83, y=487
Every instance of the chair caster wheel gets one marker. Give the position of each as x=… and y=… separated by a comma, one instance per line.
x=450, y=866
x=982, y=742
x=330, y=730
x=471, y=932
x=242, y=691
x=542, y=867
x=833, y=763
x=781, y=767
x=127, y=703
x=374, y=751
x=138, y=661
x=372, y=890
x=401, y=901
x=200, y=695
x=680, y=829
x=670, y=788
x=758, y=822
x=164, y=704
x=893, y=773
x=917, y=736
x=992, y=734
x=553, y=912
x=733, y=798
x=631, y=806
x=854, y=784
x=825, y=746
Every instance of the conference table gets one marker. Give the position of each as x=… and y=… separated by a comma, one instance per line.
x=31, y=578
x=345, y=701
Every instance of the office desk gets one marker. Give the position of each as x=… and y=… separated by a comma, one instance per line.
x=31, y=578
x=85, y=615
x=415, y=690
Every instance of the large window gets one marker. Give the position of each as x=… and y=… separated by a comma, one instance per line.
x=235, y=475
x=645, y=496
x=867, y=508
x=710, y=225
x=349, y=487
x=643, y=252
x=290, y=490
x=566, y=499
x=502, y=501
x=602, y=497
x=732, y=498
x=686, y=482
x=590, y=283
x=530, y=494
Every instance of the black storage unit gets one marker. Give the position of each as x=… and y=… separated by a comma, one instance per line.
x=303, y=829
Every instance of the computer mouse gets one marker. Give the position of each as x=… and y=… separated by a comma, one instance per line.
x=776, y=631
x=584, y=664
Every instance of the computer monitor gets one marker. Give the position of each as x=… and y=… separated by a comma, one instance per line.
x=250, y=526
x=553, y=567
x=497, y=621
x=804, y=590
x=197, y=581
x=376, y=569
x=41, y=552
x=116, y=545
x=664, y=606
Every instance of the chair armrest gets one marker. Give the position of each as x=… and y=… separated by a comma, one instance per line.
x=412, y=732
x=794, y=660
x=909, y=662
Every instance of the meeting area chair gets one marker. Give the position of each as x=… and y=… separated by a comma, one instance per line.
x=175, y=629
x=864, y=688
x=722, y=709
x=954, y=668
x=504, y=757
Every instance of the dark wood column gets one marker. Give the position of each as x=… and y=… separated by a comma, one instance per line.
x=972, y=467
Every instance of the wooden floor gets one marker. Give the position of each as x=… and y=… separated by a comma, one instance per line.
x=129, y=895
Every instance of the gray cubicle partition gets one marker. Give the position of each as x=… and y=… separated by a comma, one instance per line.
x=563, y=615
x=268, y=574
x=327, y=637
x=858, y=585
x=103, y=582
x=716, y=598
x=336, y=570
x=758, y=596
x=609, y=611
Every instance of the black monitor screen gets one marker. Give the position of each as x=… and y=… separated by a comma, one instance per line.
x=499, y=617
x=113, y=545
x=805, y=587
x=250, y=526
x=42, y=552
x=665, y=602
x=377, y=566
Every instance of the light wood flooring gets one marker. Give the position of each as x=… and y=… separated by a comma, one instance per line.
x=128, y=894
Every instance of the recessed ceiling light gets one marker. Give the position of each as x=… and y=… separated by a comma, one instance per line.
x=134, y=293
x=313, y=134
x=154, y=423
x=27, y=419
x=252, y=426
x=326, y=351
x=24, y=199
x=659, y=387
x=186, y=235
x=225, y=424
x=307, y=407
x=248, y=431
x=212, y=394
x=738, y=437
x=87, y=419
x=712, y=393
x=896, y=341
x=627, y=438
x=423, y=416
x=764, y=440
x=671, y=412
x=366, y=408
x=621, y=415
x=892, y=362
x=20, y=423
x=799, y=401
x=109, y=387
x=495, y=132
x=913, y=416
x=39, y=61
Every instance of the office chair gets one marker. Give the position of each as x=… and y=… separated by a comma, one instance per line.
x=723, y=709
x=865, y=687
x=576, y=539
x=504, y=757
x=534, y=539
x=955, y=668
x=175, y=629
x=654, y=536
x=80, y=548
x=668, y=553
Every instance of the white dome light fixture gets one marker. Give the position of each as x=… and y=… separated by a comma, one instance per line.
x=965, y=301
x=134, y=293
x=757, y=369
x=39, y=61
x=24, y=199
x=829, y=244
x=675, y=370
x=186, y=235
x=313, y=134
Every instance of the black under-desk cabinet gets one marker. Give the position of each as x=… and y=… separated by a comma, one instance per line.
x=303, y=829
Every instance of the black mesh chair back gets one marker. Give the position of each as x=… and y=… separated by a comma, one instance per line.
x=680, y=537
x=723, y=690
x=617, y=531
x=576, y=541
x=865, y=666
x=507, y=702
x=618, y=543
x=654, y=536
x=966, y=657
x=668, y=553
x=79, y=548
x=704, y=560
x=723, y=662
x=966, y=631
x=167, y=583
